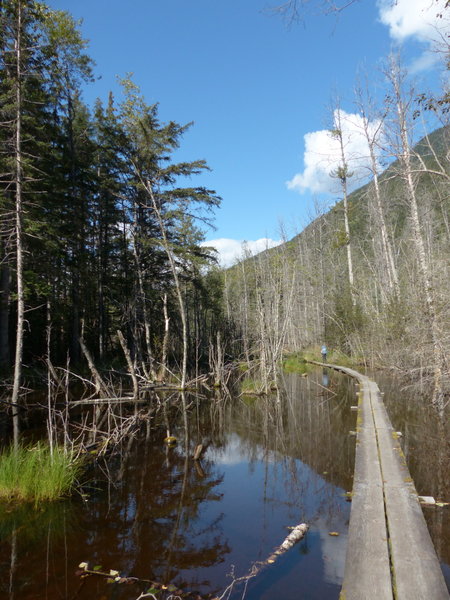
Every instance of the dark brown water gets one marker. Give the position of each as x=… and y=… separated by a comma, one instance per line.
x=155, y=513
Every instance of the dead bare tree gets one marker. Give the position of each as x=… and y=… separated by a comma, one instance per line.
x=373, y=131
x=401, y=112
x=18, y=180
x=343, y=173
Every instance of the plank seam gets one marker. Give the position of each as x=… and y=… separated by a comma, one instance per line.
x=380, y=463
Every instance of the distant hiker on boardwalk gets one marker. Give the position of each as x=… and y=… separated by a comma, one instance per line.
x=324, y=353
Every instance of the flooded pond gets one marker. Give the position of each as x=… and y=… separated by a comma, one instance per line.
x=156, y=513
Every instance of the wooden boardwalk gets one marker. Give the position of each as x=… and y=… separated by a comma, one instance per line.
x=390, y=555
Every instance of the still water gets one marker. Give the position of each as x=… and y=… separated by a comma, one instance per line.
x=155, y=513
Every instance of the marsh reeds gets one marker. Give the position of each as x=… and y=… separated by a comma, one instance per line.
x=37, y=473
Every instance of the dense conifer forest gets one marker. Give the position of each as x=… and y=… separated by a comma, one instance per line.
x=102, y=267
x=100, y=227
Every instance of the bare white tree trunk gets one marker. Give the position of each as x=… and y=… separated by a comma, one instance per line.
x=395, y=78
x=165, y=343
x=343, y=173
x=372, y=135
x=245, y=321
x=19, y=232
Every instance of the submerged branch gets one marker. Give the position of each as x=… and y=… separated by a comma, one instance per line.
x=156, y=587
x=298, y=532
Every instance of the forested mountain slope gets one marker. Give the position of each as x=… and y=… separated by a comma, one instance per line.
x=396, y=313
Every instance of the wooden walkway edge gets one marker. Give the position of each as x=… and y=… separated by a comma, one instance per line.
x=390, y=554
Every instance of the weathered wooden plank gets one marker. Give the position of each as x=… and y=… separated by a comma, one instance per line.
x=416, y=570
x=367, y=566
x=390, y=553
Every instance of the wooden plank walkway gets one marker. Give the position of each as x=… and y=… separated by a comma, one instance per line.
x=390, y=555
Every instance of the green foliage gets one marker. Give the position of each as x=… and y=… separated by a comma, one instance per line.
x=342, y=239
x=93, y=252
x=35, y=474
x=342, y=172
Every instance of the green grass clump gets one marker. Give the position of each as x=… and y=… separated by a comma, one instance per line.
x=35, y=474
x=295, y=363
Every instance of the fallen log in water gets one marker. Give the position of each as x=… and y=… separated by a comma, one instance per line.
x=298, y=533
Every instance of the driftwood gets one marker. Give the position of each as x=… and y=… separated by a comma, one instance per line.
x=298, y=532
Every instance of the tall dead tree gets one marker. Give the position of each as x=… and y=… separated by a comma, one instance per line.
x=343, y=173
x=373, y=130
x=18, y=181
x=401, y=112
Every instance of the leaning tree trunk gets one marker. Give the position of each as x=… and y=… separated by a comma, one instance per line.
x=176, y=280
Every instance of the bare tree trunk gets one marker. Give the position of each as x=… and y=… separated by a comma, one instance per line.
x=129, y=364
x=50, y=427
x=19, y=232
x=179, y=291
x=143, y=302
x=5, y=293
x=372, y=138
x=165, y=344
x=100, y=387
x=342, y=173
x=395, y=78
x=246, y=315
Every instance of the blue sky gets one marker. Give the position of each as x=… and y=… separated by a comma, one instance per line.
x=253, y=86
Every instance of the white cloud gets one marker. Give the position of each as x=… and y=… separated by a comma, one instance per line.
x=414, y=18
x=230, y=251
x=427, y=60
x=323, y=155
